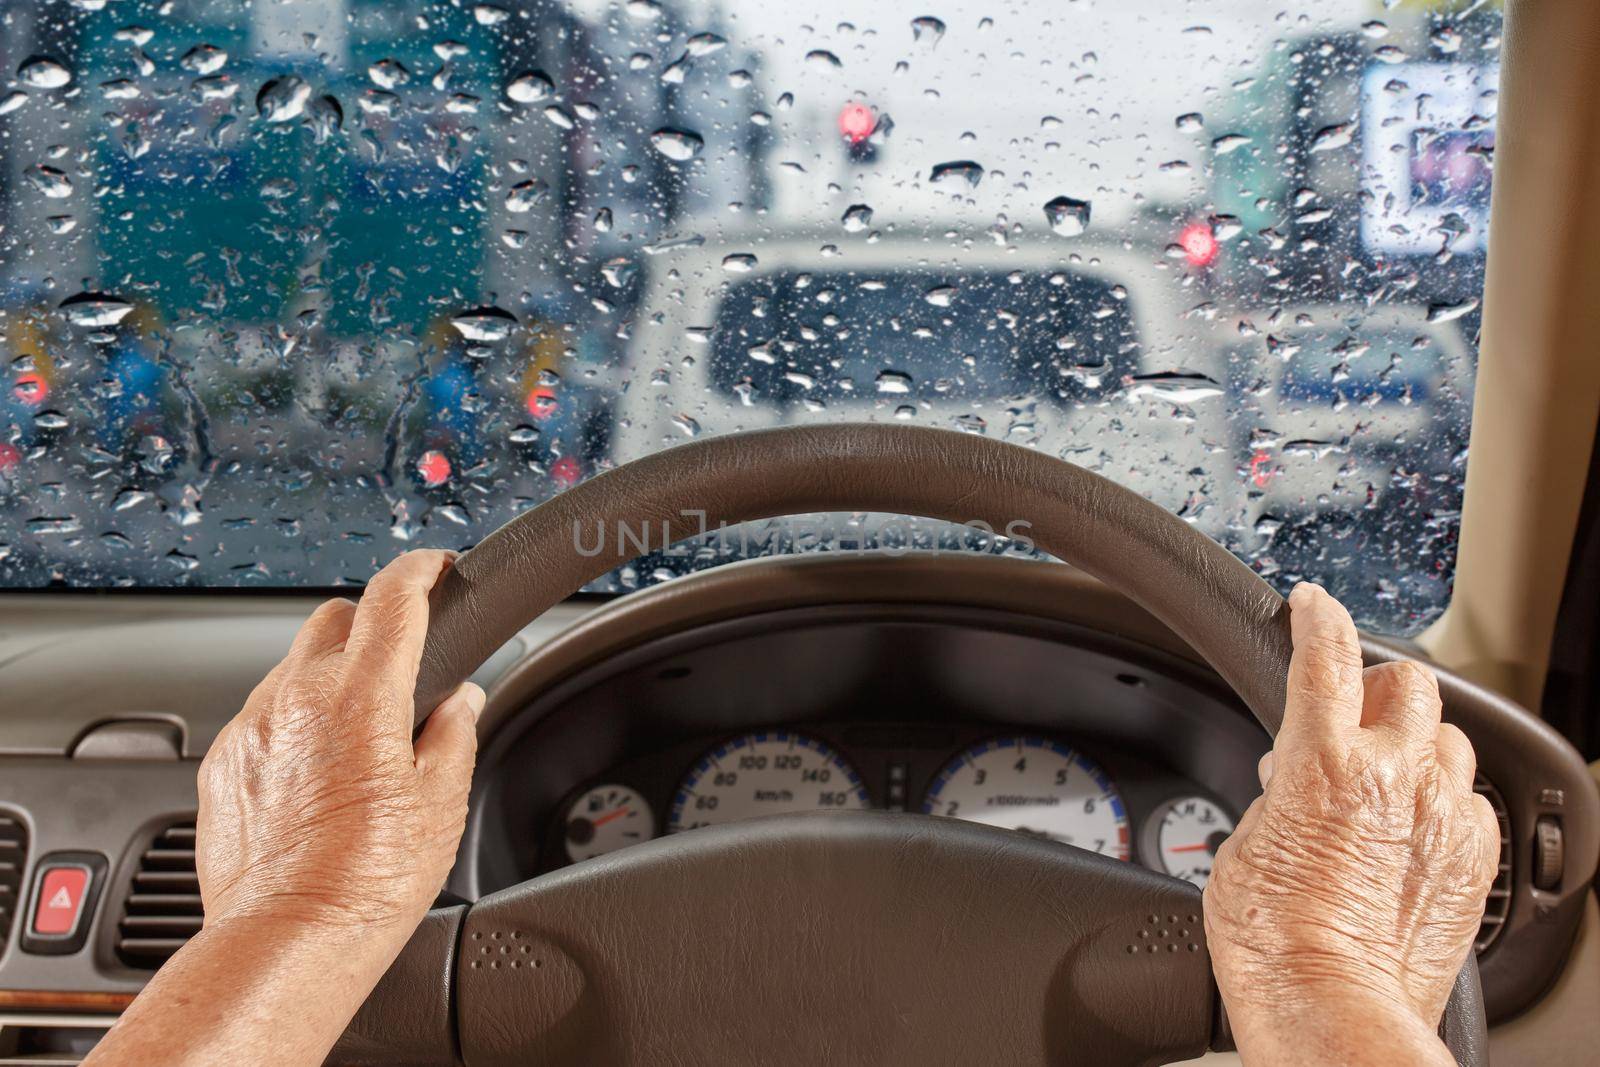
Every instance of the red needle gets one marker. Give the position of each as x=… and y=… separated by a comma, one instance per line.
x=620, y=812
x=1176, y=848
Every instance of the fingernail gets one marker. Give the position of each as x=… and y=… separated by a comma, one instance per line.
x=1301, y=593
x=1264, y=769
x=475, y=698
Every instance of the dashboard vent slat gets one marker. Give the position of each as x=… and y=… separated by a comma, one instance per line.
x=161, y=910
x=1498, y=907
x=168, y=859
x=162, y=925
x=167, y=881
x=13, y=858
x=150, y=948
x=164, y=904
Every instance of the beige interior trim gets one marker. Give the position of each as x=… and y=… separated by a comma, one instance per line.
x=1559, y=1029
x=1538, y=384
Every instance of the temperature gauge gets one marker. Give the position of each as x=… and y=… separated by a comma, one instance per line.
x=606, y=818
x=1183, y=835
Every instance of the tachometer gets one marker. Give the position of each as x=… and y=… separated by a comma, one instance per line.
x=764, y=773
x=1183, y=835
x=1036, y=786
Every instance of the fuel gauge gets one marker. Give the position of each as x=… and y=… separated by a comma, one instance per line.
x=1182, y=836
x=606, y=818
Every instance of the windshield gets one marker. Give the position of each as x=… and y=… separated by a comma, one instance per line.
x=290, y=287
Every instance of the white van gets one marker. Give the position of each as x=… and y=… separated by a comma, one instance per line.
x=1085, y=351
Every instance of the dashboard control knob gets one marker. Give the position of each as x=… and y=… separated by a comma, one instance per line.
x=1549, y=853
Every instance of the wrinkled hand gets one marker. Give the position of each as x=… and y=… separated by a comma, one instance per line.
x=1341, y=909
x=315, y=807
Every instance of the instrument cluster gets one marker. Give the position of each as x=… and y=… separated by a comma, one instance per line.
x=1025, y=781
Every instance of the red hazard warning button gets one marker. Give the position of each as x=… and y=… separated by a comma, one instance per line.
x=60, y=900
x=66, y=886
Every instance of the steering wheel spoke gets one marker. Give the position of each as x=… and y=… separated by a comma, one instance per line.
x=409, y=1018
x=849, y=937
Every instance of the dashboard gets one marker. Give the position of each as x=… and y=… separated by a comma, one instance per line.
x=1080, y=736
x=1026, y=696
x=1104, y=799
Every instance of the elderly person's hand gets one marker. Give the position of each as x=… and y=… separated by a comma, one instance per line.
x=314, y=804
x=324, y=834
x=1341, y=909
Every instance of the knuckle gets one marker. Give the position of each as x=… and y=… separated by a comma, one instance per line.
x=393, y=605
x=1381, y=779
x=206, y=777
x=1309, y=783
x=380, y=588
x=1414, y=679
x=1328, y=645
x=330, y=609
x=1265, y=768
x=1326, y=667
x=1486, y=839
x=1452, y=745
x=1488, y=821
x=1382, y=673
x=1407, y=698
x=1327, y=637
x=416, y=569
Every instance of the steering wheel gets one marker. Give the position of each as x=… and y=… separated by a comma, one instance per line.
x=848, y=937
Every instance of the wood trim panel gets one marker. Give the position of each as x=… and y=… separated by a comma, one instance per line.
x=63, y=1000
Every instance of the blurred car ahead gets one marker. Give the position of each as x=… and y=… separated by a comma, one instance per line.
x=1077, y=349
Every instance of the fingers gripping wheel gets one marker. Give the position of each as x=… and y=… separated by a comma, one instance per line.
x=791, y=872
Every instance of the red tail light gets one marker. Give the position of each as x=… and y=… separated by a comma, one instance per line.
x=31, y=389
x=542, y=403
x=434, y=468
x=566, y=472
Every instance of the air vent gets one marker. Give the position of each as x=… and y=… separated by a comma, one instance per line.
x=13, y=858
x=162, y=909
x=1499, y=905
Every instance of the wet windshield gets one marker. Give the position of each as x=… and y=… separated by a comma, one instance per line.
x=287, y=288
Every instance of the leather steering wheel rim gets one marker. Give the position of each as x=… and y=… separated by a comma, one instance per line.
x=1232, y=618
x=1208, y=597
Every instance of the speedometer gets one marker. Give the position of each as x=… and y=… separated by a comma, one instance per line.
x=1036, y=786
x=764, y=773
